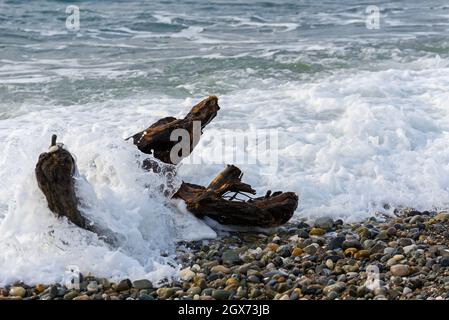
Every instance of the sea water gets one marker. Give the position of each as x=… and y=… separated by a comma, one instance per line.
x=361, y=116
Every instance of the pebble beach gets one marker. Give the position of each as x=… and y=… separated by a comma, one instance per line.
x=396, y=258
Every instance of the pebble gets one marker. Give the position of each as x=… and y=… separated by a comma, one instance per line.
x=220, y=268
x=400, y=270
x=378, y=247
x=92, y=287
x=317, y=232
x=185, y=275
x=70, y=295
x=311, y=249
x=443, y=217
x=297, y=252
x=39, y=288
x=351, y=244
x=142, y=284
x=336, y=243
x=165, y=293
x=272, y=246
x=409, y=248
x=383, y=235
x=407, y=290
x=332, y=295
x=230, y=257
x=194, y=291
x=324, y=223
x=17, y=292
x=220, y=295
x=124, y=285
x=444, y=262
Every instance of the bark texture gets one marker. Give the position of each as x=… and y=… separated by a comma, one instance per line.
x=156, y=139
x=220, y=201
x=54, y=173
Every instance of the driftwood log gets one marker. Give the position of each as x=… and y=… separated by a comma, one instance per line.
x=220, y=202
x=156, y=139
x=55, y=171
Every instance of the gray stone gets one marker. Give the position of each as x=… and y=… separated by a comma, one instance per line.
x=379, y=247
x=142, y=284
x=220, y=295
x=92, y=287
x=71, y=295
x=336, y=243
x=124, y=285
x=351, y=244
x=325, y=223
x=230, y=257
x=311, y=249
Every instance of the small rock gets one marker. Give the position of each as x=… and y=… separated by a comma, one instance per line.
x=220, y=295
x=53, y=292
x=336, y=243
x=410, y=248
x=302, y=234
x=83, y=297
x=124, y=285
x=194, y=290
x=403, y=242
x=230, y=257
x=317, y=232
x=442, y=217
x=383, y=235
x=444, y=262
x=146, y=297
x=351, y=244
x=165, y=293
x=324, y=223
x=92, y=287
x=70, y=295
x=400, y=270
x=329, y=264
x=391, y=231
x=379, y=247
x=297, y=252
x=186, y=274
x=407, y=290
x=311, y=249
x=220, y=268
x=17, y=292
x=39, y=288
x=143, y=284
x=332, y=295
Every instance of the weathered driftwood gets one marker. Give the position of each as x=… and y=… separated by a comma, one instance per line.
x=54, y=173
x=215, y=201
x=156, y=140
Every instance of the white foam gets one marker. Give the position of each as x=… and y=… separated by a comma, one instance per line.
x=117, y=195
x=348, y=144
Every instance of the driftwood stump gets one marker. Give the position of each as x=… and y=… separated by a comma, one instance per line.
x=219, y=201
x=54, y=173
x=156, y=139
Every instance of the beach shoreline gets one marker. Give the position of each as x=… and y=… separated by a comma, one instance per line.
x=400, y=258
